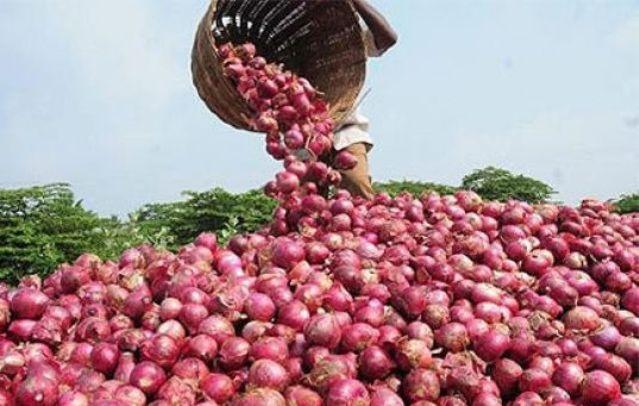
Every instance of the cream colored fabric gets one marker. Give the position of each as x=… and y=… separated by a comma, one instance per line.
x=353, y=131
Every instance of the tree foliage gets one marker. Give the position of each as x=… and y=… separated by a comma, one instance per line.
x=214, y=210
x=41, y=227
x=628, y=203
x=499, y=184
x=394, y=188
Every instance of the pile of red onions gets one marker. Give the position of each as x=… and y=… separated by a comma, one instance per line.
x=437, y=300
x=294, y=117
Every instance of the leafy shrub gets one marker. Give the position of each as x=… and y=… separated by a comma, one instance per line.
x=214, y=210
x=628, y=203
x=499, y=184
x=394, y=188
x=44, y=226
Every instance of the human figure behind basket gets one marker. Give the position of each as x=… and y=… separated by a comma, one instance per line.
x=352, y=134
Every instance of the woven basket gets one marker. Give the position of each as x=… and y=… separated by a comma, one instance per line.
x=320, y=40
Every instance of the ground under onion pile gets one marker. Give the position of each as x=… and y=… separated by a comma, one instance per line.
x=436, y=300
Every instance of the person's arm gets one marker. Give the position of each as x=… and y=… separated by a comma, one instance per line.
x=384, y=35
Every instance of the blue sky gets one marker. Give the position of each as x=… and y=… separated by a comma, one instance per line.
x=99, y=94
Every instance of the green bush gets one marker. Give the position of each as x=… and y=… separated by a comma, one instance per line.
x=394, y=188
x=215, y=210
x=628, y=203
x=499, y=184
x=41, y=227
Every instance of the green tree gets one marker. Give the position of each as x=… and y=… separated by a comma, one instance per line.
x=628, y=203
x=214, y=210
x=499, y=184
x=41, y=227
x=415, y=188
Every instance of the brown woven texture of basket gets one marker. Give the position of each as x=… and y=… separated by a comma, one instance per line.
x=320, y=40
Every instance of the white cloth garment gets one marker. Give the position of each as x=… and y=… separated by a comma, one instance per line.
x=354, y=129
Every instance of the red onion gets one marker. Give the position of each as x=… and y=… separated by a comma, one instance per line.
x=217, y=327
x=599, y=388
x=506, y=375
x=347, y=392
x=233, y=352
x=375, y=363
x=268, y=374
x=328, y=369
x=341, y=295
x=421, y=384
x=301, y=396
x=569, y=376
x=486, y=399
x=383, y=396
x=260, y=397
x=71, y=398
x=630, y=300
x=148, y=377
x=614, y=365
x=201, y=346
x=191, y=315
x=37, y=390
x=412, y=353
x=217, y=387
x=273, y=348
x=452, y=336
x=191, y=369
x=534, y=380
x=324, y=330
x=607, y=337
x=259, y=306
x=436, y=315
x=126, y=363
x=287, y=253
x=628, y=348
x=161, y=349
x=294, y=314
x=581, y=318
x=104, y=357
x=492, y=345
x=130, y=395
x=28, y=303
x=359, y=336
